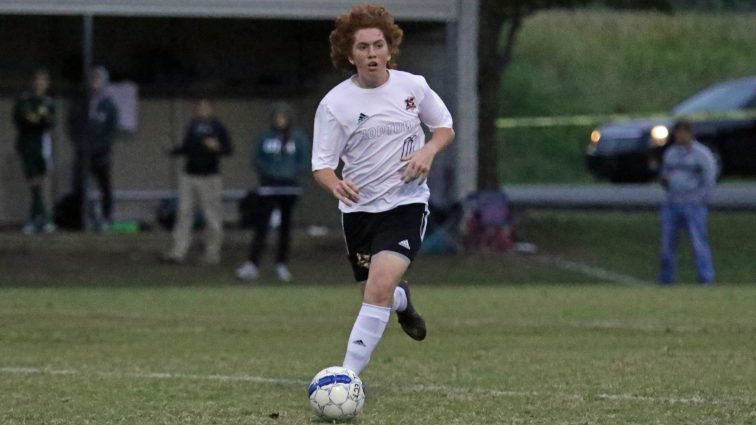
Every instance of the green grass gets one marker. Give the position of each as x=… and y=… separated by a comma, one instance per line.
x=599, y=62
x=628, y=243
x=620, y=242
x=495, y=354
x=94, y=330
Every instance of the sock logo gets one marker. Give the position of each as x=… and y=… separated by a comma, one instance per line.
x=405, y=244
x=359, y=342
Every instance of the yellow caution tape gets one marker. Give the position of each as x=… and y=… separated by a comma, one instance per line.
x=588, y=120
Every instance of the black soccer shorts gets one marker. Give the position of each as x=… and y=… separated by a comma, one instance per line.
x=398, y=230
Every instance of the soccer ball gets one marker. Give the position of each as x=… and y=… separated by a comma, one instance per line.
x=336, y=393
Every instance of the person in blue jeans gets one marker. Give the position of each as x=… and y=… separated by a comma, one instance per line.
x=688, y=175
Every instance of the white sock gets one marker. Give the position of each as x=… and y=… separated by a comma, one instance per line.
x=400, y=300
x=366, y=333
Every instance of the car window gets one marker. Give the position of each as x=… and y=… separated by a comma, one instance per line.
x=719, y=98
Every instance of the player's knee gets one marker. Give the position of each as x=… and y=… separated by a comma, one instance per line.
x=379, y=291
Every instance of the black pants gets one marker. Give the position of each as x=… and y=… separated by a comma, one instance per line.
x=266, y=204
x=100, y=165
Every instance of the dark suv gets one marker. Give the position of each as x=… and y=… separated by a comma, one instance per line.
x=723, y=117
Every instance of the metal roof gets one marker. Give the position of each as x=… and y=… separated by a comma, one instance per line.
x=419, y=10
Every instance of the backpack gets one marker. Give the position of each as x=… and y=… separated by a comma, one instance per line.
x=487, y=222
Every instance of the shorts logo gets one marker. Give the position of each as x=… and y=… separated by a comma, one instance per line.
x=409, y=103
x=405, y=244
x=363, y=260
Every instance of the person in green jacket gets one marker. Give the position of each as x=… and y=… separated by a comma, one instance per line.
x=34, y=116
x=281, y=156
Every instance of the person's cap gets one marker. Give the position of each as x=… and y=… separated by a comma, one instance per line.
x=281, y=108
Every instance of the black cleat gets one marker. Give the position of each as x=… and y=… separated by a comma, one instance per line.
x=411, y=321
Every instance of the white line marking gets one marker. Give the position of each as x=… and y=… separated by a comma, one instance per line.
x=589, y=270
x=152, y=375
x=672, y=400
x=455, y=390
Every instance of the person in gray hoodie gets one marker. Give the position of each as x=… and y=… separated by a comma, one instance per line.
x=93, y=122
x=688, y=175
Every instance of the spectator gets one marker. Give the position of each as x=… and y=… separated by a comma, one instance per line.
x=206, y=140
x=281, y=158
x=93, y=127
x=688, y=174
x=34, y=116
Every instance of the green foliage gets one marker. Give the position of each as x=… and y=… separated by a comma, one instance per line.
x=601, y=62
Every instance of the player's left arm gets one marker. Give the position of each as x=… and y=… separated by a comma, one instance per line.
x=434, y=114
x=419, y=162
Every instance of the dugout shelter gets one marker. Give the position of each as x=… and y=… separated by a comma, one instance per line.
x=243, y=54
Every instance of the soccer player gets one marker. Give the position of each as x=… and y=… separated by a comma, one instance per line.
x=34, y=116
x=372, y=122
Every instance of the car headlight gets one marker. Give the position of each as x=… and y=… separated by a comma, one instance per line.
x=659, y=135
x=595, y=138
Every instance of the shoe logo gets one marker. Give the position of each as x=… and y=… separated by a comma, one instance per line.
x=359, y=342
x=362, y=118
x=405, y=244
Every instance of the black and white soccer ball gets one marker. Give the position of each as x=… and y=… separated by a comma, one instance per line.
x=336, y=393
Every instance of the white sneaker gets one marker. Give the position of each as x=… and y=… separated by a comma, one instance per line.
x=49, y=227
x=283, y=272
x=247, y=271
x=29, y=229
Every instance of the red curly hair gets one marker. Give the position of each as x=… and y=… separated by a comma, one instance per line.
x=360, y=17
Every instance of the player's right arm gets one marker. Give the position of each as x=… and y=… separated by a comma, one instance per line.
x=343, y=190
x=328, y=143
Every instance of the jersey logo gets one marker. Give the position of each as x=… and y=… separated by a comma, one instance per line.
x=362, y=118
x=409, y=103
x=405, y=244
x=408, y=146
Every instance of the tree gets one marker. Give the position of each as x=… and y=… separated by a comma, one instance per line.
x=499, y=24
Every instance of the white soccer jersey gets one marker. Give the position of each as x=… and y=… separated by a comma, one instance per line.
x=373, y=131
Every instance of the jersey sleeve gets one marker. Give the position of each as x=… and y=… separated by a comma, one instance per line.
x=328, y=141
x=432, y=110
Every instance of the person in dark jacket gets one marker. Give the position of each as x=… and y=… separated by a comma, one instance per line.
x=205, y=142
x=93, y=124
x=34, y=116
x=280, y=158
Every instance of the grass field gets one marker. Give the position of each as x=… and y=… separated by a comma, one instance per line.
x=495, y=355
x=94, y=331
